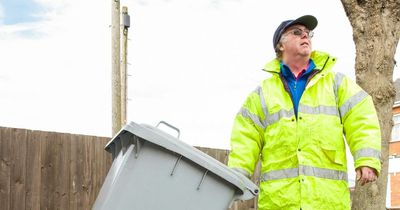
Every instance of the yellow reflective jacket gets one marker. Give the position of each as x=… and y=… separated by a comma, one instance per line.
x=303, y=160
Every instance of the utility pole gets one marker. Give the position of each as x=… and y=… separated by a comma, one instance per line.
x=125, y=26
x=115, y=65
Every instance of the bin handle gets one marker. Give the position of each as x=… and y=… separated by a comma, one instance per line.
x=171, y=126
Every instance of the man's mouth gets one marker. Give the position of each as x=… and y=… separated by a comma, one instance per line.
x=304, y=43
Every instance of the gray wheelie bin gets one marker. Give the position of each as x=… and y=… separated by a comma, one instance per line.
x=153, y=170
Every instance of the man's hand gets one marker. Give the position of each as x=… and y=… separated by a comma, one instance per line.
x=366, y=174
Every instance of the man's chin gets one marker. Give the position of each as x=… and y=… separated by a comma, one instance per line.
x=306, y=52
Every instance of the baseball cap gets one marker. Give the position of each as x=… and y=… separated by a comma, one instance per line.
x=309, y=21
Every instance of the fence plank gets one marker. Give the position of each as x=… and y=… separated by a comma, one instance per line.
x=5, y=169
x=76, y=163
x=102, y=162
x=46, y=200
x=62, y=169
x=92, y=171
x=85, y=173
x=55, y=170
x=18, y=168
x=33, y=170
x=98, y=168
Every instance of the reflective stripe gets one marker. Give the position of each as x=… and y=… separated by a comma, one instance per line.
x=260, y=94
x=306, y=171
x=271, y=118
x=368, y=152
x=352, y=101
x=337, y=82
x=253, y=117
x=275, y=117
x=321, y=109
x=323, y=173
x=280, y=174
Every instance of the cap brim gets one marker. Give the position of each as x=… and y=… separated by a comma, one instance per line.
x=309, y=21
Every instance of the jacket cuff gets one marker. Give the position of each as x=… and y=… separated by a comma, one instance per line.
x=370, y=162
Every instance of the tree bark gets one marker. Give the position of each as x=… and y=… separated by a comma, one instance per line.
x=376, y=31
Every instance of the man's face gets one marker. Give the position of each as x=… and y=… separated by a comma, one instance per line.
x=296, y=41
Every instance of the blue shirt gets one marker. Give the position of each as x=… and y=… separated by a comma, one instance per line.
x=297, y=85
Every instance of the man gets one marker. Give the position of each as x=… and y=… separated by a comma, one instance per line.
x=295, y=122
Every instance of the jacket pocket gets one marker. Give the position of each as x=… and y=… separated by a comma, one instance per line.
x=333, y=153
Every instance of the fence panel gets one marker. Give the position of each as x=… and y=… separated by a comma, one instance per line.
x=49, y=170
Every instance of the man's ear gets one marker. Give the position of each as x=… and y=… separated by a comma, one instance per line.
x=281, y=48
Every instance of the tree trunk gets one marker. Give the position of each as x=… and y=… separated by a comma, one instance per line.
x=376, y=31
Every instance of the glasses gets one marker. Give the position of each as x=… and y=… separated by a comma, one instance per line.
x=299, y=32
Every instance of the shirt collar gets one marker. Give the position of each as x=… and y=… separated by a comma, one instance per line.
x=286, y=72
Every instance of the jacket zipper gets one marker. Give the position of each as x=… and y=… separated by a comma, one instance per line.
x=316, y=71
x=285, y=85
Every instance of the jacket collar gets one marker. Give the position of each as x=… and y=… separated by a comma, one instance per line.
x=320, y=59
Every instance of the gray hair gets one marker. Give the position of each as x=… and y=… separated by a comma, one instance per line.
x=278, y=52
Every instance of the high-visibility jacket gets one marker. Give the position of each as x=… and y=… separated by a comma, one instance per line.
x=303, y=159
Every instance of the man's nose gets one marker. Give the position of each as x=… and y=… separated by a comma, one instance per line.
x=304, y=34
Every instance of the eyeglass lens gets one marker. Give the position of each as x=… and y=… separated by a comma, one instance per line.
x=299, y=32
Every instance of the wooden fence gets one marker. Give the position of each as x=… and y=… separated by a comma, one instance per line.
x=49, y=171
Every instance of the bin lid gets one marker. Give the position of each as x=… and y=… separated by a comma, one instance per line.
x=156, y=136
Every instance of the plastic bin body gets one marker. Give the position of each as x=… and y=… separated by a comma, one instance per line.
x=153, y=170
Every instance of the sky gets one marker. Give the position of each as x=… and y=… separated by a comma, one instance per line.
x=27, y=11
x=191, y=63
